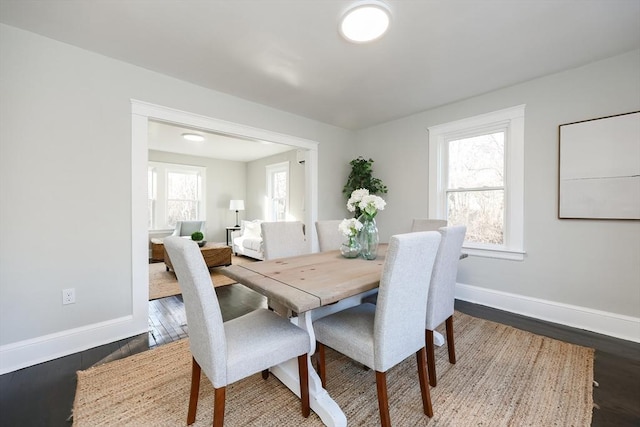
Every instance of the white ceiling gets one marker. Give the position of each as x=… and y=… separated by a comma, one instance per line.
x=168, y=137
x=288, y=53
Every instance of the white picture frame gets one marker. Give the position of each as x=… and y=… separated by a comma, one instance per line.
x=599, y=168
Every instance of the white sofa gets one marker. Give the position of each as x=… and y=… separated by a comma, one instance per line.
x=248, y=241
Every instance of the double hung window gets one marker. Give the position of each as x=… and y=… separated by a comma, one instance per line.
x=277, y=191
x=176, y=193
x=476, y=173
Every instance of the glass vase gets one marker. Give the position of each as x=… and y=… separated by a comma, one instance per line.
x=350, y=248
x=368, y=237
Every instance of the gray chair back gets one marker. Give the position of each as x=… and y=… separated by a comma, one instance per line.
x=283, y=239
x=206, y=332
x=443, y=281
x=402, y=297
x=330, y=238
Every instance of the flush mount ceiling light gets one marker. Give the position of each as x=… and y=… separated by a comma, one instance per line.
x=193, y=137
x=365, y=21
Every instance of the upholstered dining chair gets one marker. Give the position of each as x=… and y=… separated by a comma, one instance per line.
x=442, y=294
x=187, y=228
x=230, y=351
x=425, y=224
x=330, y=238
x=283, y=239
x=279, y=240
x=383, y=335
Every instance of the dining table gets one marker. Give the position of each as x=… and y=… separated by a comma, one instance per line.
x=312, y=286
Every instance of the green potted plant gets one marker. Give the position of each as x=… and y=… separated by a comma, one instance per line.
x=361, y=176
x=198, y=237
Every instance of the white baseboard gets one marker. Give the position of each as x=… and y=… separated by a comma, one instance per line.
x=30, y=352
x=602, y=322
x=42, y=349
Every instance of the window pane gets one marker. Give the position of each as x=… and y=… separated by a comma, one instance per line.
x=182, y=186
x=477, y=161
x=178, y=210
x=481, y=211
x=279, y=185
x=150, y=213
x=150, y=187
x=279, y=206
x=151, y=195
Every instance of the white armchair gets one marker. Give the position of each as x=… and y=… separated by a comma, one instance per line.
x=248, y=241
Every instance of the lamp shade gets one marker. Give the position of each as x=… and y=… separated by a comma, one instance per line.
x=236, y=205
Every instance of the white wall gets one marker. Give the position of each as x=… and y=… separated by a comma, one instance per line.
x=591, y=266
x=257, y=186
x=65, y=177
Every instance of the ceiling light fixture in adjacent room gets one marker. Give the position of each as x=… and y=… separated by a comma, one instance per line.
x=365, y=21
x=193, y=137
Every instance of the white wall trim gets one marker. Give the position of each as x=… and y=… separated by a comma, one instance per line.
x=148, y=111
x=602, y=322
x=511, y=121
x=30, y=352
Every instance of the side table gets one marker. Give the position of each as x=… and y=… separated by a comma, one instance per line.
x=157, y=250
x=229, y=231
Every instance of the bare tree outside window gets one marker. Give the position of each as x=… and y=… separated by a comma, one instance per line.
x=182, y=197
x=280, y=195
x=277, y=191
x=176, y=192
x=476, y=178
x=475, y=186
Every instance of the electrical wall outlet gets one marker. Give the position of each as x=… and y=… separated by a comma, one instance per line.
x=69, y=296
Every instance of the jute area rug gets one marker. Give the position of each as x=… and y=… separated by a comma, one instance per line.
x=163, y=283
x=503, y=377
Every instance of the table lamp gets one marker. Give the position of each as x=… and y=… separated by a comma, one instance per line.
x=236, y=205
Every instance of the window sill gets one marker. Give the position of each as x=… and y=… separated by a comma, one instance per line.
x=508, y=254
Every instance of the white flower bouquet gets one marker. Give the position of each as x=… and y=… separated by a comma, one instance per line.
x=368, y=204
x=350, y=227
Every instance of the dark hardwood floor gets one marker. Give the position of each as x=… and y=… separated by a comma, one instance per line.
x=42, y=395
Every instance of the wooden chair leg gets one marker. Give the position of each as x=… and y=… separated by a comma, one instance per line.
x=321, y=366
x=218, y=406
x=383, y=400
x=303, y=372
x=450, y=345
x=195, y=389
x=431, y=357
x=421, y=356
x=265, y=374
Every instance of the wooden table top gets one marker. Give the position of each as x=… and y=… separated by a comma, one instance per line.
x=310, y=281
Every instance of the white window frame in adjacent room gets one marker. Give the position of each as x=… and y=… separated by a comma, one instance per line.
x=160, y=202
x=270, y=170
x=512, y=121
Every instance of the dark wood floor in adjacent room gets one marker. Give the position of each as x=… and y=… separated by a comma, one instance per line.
x=42, y=395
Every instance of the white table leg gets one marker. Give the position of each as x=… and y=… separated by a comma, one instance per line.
x=438, y=339
x=319, y=400
x=322, y=404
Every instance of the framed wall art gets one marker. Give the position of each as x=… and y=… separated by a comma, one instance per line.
x=599, y=168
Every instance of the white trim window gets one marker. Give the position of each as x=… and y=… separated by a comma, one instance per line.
x=176, y=193
x=476, y=178
x=277, y=191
